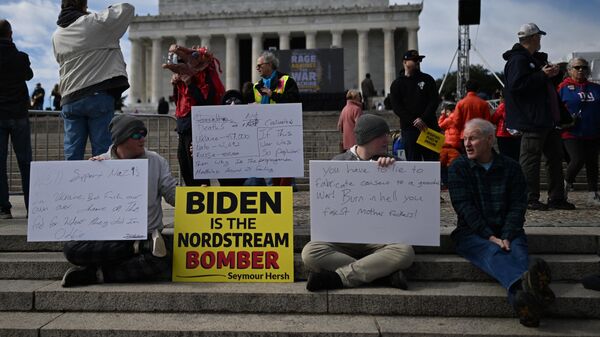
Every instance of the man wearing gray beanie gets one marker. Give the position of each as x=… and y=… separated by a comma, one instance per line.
x=346, y=265
x=128, y=261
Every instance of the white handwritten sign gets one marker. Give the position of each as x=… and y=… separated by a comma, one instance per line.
x=360, y=202
x=241, y=141
x=88, y=200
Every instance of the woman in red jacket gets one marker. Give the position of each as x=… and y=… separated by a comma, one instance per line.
x=508, y=144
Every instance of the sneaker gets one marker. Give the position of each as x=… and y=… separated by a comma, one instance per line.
x=5, y=214
x=560, y=204
x=536, y=282
x=324, y=280
x=594, y=199
x=536, y=205
x=526, y=308
x=80, y=276
x=395, y=280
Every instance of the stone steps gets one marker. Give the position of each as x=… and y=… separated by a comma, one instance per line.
x=266, y=325
x=427, y=267
x=541, y=240
x=440, y=299
x=447, y=296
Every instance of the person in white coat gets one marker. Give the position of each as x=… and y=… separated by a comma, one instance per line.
x=92, y=72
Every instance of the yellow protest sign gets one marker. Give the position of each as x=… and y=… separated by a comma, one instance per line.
x=233, y=234
x=431, y=139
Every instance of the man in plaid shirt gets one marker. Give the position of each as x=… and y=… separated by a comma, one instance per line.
x=489, y=194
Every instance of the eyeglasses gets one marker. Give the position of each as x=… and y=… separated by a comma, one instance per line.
x=580, y=67
x=260, y=65
x=139, y=135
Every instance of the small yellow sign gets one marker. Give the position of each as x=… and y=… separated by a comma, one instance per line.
x=233, y=234
x=431, y=139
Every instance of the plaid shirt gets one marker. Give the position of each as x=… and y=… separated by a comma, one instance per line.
x=488, y=202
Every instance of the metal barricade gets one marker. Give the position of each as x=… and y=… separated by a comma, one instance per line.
x=47, y=136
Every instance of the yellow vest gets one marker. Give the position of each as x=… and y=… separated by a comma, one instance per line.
x=279, y=89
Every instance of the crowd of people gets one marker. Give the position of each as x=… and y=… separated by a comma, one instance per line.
x=489, y=190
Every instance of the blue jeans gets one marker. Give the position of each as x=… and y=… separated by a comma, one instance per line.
x=88, y=116
x=505, y=267
x=20, y=136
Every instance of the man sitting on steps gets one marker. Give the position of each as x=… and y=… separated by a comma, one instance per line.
x=128, y=261
x=340, y=265
x=489, y=194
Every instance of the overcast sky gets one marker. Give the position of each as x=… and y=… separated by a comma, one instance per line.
x=572, y=25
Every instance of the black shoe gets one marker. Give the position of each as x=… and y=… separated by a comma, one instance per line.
x=560, y=204
x=535, y=205
x=395, y=280
x=591, y=282
x=323, y=281
x=5, y=214
x=536, y=282
x=526, y=308
x=80, y=276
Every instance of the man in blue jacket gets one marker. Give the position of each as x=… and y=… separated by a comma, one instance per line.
x=14, y=121
x=532, y=107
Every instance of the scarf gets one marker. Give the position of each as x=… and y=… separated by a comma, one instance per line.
x=267, y=82
x=68, y=15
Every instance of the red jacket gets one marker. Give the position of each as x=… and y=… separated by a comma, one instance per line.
x=470, y=107
x=347, y=121
x=498, y=119
x=450, y=131
x=186, y=98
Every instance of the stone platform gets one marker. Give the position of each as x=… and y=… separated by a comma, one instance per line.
x=447, y=296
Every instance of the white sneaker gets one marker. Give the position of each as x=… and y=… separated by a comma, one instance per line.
x=159, y=248
x=594, y=199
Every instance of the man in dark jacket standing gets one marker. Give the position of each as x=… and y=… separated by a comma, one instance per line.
x=415, y=100
x=14, y=121
x=532, y=108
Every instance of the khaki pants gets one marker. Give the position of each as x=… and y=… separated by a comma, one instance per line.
x=357, y=264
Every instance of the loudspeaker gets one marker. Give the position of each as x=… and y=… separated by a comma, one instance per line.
x=469, y=12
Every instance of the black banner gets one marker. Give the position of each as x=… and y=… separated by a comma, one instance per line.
x=314, y=70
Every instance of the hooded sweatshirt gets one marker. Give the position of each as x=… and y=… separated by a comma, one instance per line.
x=86, y=47
x=527, y=91
x=582, y=99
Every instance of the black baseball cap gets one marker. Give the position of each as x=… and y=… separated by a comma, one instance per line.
x=413, y=55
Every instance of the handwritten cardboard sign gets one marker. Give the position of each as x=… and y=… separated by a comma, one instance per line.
x=360, y=202
x=431, y=139
x=233, y=234
x=241, y=141
x=88, y=200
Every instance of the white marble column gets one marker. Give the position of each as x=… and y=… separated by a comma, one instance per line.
x=231, y=62
x=363, y=61
x=336, y=38
x=413, y=40
x=181, y=41
x=311, y=39
x=156, y=69
x=257, y=48
x=205, y=41
x=147, y=72
x=389, y=61
x=284, y=40
x=137, y=71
